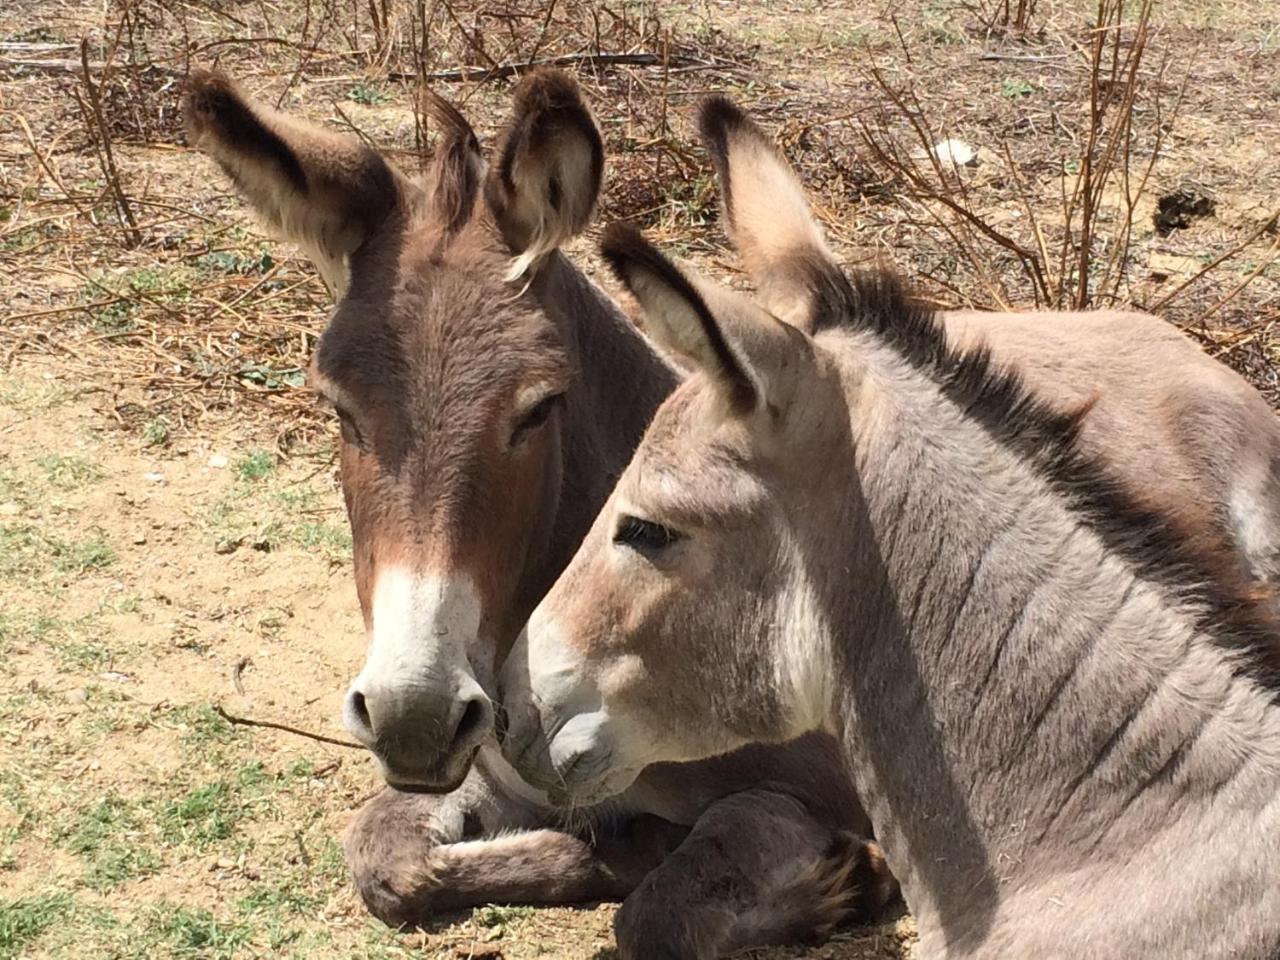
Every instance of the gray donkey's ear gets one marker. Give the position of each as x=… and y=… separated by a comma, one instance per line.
x=769, y=220
x=547, y=168
x=677, y=314
x=319, y=189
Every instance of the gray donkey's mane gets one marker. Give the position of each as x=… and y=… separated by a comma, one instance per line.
x=1191, y=566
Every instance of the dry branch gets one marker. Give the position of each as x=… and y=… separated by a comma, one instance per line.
x=283, y=727
x=94, y=119
x=499, y=71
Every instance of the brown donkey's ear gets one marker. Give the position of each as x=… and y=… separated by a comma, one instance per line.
x=456, y=167
x=769, y=220
x=546, y=173
x=321, y=190
x=676, y=312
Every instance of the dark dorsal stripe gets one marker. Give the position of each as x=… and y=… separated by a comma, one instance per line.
x=996, y=398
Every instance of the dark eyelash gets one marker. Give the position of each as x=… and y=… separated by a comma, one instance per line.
x=644, y=535
x=537, y=416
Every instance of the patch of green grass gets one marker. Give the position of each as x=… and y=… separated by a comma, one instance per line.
x=129, y=603
x=245, y=517
x=13, y=794
x=22, y=550
x=19, y=240
x=120, y=861
x=26, y=625
x=81, y=556
x=202, y=817
x=36, y=396
x=297, y=498
x=194, y=933
x=9, y=838
x=255, y=465
x=168, y=282
x=11, y=487
x=156, y=432
x=68, y=472
x=1015, y=89
x=368, y=95
x=272, y=378
x=499, y=916
x=202, y=726
x=252, y=775
x=106, y=837
x=281, y=895
x=330, y=863
x=81, y=643
x=27, y=552
x=229, y=261
x=327, y=537
x=24, y=919
x=114, y=317
x=78, y=643
x=301, y=769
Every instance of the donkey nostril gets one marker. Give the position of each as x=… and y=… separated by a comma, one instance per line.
x=472, y=718
x=361, y=710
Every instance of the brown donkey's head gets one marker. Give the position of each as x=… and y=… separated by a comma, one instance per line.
x=447, y=377
x=682, y=628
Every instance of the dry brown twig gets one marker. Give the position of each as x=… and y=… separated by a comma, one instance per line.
x=91, y=109
x=283, y=728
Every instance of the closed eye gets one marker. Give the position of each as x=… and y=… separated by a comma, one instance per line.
x=644, y=536
x=347, y=422
x=350, y=430
x=536, y=417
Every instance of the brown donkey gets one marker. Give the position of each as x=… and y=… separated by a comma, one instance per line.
x=1063, y=720
x=489, y=395
x=484, y=422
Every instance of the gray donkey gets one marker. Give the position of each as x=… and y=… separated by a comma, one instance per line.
x=484, y=419
x=1055, y=696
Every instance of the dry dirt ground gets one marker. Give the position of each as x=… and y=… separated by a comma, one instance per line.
x=171, y=532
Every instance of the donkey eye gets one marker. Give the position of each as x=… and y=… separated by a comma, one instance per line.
x=536, y=417
x=350, y=431
x=644, y=535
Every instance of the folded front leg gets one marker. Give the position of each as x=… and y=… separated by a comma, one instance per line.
x=757, y=869
x=414, y=855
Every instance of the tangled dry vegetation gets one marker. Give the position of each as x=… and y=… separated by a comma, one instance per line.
x=167, y=509
x=1079, y=121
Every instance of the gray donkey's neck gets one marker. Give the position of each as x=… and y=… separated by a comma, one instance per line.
x=1040, y=727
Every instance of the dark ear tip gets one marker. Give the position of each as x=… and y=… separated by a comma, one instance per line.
x=203, y=81
x=549, y=87
x=620, y=243
x=452, y=123
x=717, y=116
x=206, y=93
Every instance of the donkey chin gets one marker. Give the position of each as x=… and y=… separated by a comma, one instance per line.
x=578, y=765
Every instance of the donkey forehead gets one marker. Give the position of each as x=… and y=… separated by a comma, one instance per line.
x=694, y=465
x=441, y=334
